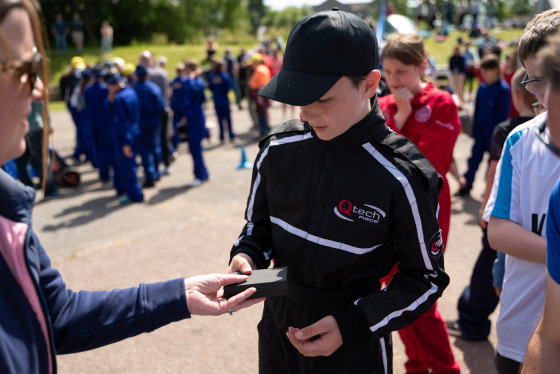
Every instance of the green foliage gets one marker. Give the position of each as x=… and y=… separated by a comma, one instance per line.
x=286, y=17
x=138, y=20
x=401, y=6
x=257, y=11
x=518, y=7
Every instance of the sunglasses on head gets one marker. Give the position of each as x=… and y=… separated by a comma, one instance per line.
x=535, y=86
x=21, y=69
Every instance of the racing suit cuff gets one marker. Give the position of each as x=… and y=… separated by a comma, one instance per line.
x=353, y=327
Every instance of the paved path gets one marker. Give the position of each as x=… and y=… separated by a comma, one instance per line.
x=179, y=231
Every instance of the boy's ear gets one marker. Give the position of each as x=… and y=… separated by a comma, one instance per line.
x=371, y=82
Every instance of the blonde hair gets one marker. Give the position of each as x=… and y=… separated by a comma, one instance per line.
x=407, y=48
x=549, y=61
x=533, y=37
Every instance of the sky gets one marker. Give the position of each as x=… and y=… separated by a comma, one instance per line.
x=281, y=4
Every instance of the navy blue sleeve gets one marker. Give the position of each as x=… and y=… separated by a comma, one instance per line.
x=553, y=235
x=86, y=320
x=504, y=104
x=229, y=83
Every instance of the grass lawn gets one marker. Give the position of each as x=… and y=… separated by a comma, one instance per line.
x=441, y=51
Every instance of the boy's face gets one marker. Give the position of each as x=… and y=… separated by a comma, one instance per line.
x=490, y=75
x=341, y=107
x=532, y=67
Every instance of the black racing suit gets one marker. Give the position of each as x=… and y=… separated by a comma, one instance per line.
x=340, y=214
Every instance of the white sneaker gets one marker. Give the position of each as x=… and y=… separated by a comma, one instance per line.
x=166, y=171
x=196, y=182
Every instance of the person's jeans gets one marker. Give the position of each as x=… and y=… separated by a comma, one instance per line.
x=506, y=365
x=106, y=45
x=60, y=40
x=479, y=298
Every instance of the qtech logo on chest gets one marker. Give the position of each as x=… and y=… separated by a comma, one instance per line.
x=351, y=212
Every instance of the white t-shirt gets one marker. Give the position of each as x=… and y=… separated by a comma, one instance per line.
x=525, y=176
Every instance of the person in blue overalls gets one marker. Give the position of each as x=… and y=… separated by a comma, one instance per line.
x=124, y=117
x=195, y=120
x=95, y=96
x=220, y=83
x=491, y=108
x=151, y=107
x=84, y=141
x=176, y=100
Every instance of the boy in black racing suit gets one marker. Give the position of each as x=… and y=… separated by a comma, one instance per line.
x=339, y=199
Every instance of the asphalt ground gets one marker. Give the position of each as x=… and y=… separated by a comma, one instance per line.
x=178, y=231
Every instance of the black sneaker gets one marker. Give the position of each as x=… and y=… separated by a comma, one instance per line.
x=453, y=328
x=148, y=184
x=464, y=191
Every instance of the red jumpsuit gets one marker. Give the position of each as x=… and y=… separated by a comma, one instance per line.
x=433, y=126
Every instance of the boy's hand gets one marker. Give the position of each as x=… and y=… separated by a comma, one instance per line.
x=329, y=338
x=241, y=262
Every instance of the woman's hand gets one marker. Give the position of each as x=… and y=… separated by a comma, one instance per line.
x=205, y=295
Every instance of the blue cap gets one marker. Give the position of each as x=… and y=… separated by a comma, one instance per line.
x=97, y=72
x=113, y=78
x=86, y=73
x=141, y=70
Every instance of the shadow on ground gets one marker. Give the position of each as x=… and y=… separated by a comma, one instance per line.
x=86, y=213
x=467, y=205
x=478, y=356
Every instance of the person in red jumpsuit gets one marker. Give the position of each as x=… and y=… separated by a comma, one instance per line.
x=428, y=117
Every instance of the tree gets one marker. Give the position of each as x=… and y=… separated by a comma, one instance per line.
x=179, y=20
x=519, y=7
x=257, y=11
x=286, y=17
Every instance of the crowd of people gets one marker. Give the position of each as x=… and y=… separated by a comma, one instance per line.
x=370, y=266
x=429, y=15
x=157, y=113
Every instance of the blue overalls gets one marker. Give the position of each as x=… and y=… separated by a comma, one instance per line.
x=85, y=144
x=196, y=123
x=149, y=143
x=124, y=114
x=96, y=103
x=491, y=108
x=220, y=84
x=177, y=102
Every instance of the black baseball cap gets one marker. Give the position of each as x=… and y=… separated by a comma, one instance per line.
x=322, y=48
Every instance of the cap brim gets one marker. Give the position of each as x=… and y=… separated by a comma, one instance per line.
x=297, y=88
